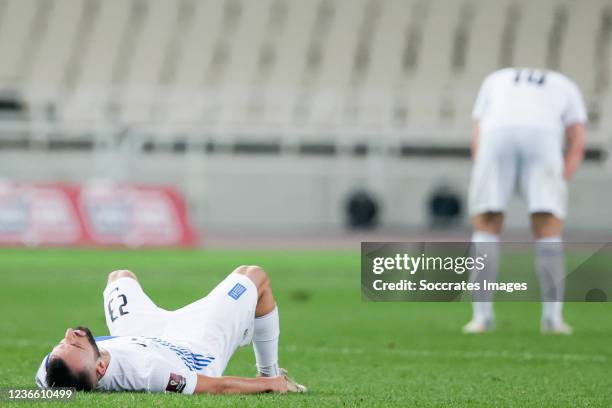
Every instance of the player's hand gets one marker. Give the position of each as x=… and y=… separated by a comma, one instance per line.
x=569, y=171
x=279, y=384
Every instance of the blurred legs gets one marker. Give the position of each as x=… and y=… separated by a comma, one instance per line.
x=550, y=265
x=485, y=243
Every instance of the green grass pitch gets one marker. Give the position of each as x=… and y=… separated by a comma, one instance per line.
x=349, y=352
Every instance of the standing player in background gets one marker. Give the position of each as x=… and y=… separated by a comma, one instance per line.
x=525, y=119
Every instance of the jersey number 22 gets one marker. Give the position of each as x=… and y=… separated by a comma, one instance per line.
x=121, y=308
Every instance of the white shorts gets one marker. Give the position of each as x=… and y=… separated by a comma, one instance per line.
x=522, y=159
x=216, y=325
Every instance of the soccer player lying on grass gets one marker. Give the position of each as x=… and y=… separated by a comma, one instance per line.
x=185, y=351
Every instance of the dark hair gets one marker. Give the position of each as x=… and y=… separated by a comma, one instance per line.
x=60, y=375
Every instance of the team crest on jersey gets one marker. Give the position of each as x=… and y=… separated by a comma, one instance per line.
x=176, y=383
x=236, y=291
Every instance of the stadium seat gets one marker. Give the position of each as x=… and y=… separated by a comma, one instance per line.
x=583, y=62
x=14, y=39
x=578, y=56
x=92, y=89
x=143, y=72
x=51, y=58
x=532, y=35
x=483, y=44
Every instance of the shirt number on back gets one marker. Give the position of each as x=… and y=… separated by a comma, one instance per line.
x=530, y=76
x=120, y=301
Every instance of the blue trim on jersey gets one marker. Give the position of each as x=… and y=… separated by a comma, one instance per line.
x=102, y=338
x=192, y=361
x=47, y=361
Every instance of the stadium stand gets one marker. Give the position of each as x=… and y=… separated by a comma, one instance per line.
x=401, y=70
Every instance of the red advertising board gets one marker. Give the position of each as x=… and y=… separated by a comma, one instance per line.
x=92, y=215
x=39, y=215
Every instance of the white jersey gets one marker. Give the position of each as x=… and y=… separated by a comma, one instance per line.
x=526, y=97
x=154, y=350
x=144, y=364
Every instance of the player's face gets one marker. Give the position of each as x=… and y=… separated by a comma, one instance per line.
x=79, y=351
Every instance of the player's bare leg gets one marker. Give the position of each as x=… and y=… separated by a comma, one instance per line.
x=265, y=301
x=267, y=327
x=485, y=240
x=550, y=265
x=489, y=222
x=546, y=225
x=121, y=273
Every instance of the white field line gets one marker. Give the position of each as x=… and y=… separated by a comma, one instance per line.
x=458, y=354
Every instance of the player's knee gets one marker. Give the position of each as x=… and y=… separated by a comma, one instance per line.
x=256, y=274
x=546, y=225
x=489, y=222
x=122, y=273
x=492, y=217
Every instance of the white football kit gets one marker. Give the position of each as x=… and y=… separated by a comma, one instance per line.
x=155, y=350
x=522, y=115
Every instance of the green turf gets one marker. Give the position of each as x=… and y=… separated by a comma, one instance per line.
x=348, y=352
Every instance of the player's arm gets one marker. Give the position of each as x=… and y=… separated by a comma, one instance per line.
x=478, y=112
x=239, y=385
x=575, y=136
x=475, y=138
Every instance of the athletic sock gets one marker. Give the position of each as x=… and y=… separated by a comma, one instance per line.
x=484, y=244
x=265, y=343
x=551, y=271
